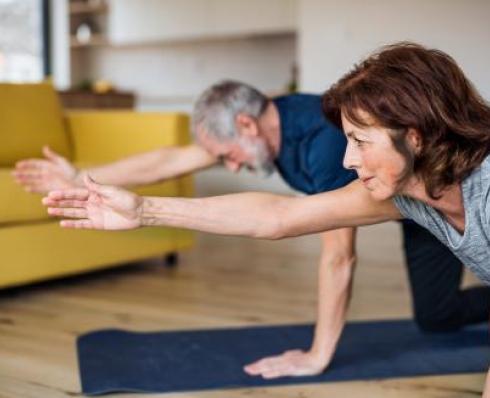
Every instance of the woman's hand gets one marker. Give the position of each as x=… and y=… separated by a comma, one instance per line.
x=289, y=363
x=96, y=207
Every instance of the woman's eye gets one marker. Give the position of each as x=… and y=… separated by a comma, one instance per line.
x=358, y=142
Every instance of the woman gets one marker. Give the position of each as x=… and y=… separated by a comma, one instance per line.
x=418, y=137
x=419, y=102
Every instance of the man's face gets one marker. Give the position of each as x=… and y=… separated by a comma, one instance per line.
x=249, y=152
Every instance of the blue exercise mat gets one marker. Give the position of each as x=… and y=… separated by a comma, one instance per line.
x=117, y=361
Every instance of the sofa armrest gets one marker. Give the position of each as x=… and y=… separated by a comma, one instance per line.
x=101, y=136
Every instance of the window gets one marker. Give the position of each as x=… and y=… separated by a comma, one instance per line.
x=22, y=40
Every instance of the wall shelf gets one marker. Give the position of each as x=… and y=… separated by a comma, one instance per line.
x=95, y=40
x=88, y=21
x=79, y=7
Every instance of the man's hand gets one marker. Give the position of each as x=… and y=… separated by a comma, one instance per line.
x=96, y=207
x=44, y=175
x=289, y=363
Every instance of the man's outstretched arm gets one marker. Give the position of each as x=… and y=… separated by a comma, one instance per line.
x=56, y=172
x=150, y=167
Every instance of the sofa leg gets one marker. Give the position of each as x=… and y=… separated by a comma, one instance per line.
x=171, y=260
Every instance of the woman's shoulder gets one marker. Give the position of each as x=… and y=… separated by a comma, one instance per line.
x=486, y=164
x=482, y=174
x=479, y=176
x=485, y=189
x=411, y=208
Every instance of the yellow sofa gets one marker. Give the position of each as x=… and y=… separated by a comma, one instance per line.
x=32, y=245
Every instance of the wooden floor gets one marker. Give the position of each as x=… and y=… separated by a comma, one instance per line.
x=222, y=282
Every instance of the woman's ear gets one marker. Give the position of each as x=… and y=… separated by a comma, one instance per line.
x=414, y=139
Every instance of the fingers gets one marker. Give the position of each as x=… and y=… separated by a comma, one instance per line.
x=67, y=212
x=267, y=368
x=77, y=204
x=290, y=363
x=31, y=164
x=32, y=181
x=67, y=194
x=275, y=373
x=270, y=367
x=253, y=369
x=77, y=224
x=28, y=174
x=53, y=156
x=49, y=153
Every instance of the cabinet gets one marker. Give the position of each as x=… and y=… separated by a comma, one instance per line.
x=143, y=21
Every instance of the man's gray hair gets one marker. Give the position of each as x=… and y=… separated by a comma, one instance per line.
x=216, y=109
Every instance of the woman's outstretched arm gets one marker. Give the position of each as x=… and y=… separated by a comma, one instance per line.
x=253, y=214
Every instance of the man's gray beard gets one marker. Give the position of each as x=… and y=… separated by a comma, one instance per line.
x=263, y=166
x=265, y=169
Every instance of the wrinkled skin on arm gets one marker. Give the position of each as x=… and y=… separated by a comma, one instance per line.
x=253, y=214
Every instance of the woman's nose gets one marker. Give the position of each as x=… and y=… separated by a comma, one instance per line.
x=351, y=158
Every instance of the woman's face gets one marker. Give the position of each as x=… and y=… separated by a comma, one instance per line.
x=371, y=153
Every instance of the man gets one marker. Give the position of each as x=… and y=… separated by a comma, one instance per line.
x=237, y=125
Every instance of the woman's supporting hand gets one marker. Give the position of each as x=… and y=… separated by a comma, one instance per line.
x=289, y=363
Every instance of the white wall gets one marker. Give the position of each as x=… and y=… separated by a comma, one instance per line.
x=60, y=44
x=171, y=75
x=334, y=35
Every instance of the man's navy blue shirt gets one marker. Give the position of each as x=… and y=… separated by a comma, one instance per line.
x=312, y=147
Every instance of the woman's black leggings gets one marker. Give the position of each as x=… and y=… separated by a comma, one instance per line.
x=439, y=302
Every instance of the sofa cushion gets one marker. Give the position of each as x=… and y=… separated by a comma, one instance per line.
x=30, y=117
x=16, y=205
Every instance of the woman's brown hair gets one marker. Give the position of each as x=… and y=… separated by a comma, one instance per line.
x=407, y=86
